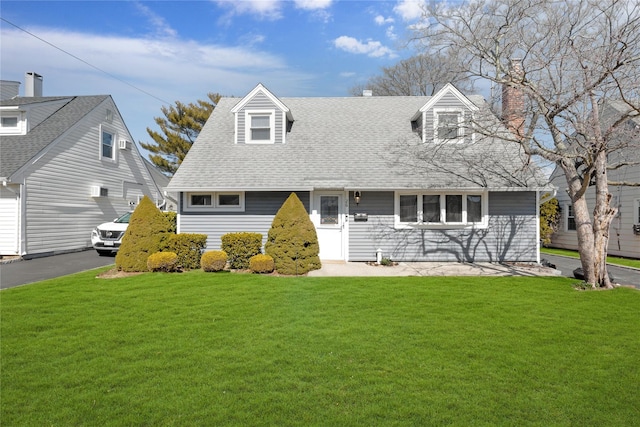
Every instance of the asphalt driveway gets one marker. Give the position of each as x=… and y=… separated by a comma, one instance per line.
x=37, y=269
x=621, y=275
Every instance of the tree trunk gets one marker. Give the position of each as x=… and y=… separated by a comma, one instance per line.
x=603, y=214
x=592, y=233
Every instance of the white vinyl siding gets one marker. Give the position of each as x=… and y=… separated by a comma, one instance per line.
x=60, y=212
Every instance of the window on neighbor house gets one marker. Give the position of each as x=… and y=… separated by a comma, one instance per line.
x=441, y=209
x=215, y=201
x=570, y=219
x=636, y=219
x=107, y=148
x=12, y=124
x=448, y=125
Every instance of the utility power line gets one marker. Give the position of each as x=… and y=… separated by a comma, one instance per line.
x=85, y=62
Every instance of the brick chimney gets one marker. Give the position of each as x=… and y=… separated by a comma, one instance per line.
x=513, y=99
x=32, y=84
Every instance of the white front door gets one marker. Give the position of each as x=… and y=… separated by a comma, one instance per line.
x=328, y=215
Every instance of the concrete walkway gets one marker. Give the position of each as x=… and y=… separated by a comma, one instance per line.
x=431, y=269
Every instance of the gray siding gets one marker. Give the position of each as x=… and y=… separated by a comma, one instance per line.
x=622, y=240
x=449, y=100
x=260, y=208
x=261, y=102
x=511, y=235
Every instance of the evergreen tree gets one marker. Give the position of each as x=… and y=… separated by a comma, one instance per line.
x=179, y=129
x=146, y=234
x=292, y=241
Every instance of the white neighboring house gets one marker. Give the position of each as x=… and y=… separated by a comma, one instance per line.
x=624, y=233
x=67, y=164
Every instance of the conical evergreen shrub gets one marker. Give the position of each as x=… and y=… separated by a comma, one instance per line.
x=146, y=234
x=292, y=241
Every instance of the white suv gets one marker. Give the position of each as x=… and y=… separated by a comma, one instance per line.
x=106, y=238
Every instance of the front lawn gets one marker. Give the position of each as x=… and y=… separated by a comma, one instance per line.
x=196, y=349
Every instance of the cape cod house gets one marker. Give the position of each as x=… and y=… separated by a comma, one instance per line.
x=624, y=232
x=67, y=164
x=400, y=177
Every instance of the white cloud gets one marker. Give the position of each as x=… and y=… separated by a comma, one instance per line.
x=391, y=33
x=313, y=4
x=161, y=27
x=381, y=20
x=370, y=48
x=142, y=72
x=263, y=9
x=410, y=10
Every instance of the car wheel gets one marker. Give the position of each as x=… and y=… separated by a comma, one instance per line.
x=103, y=253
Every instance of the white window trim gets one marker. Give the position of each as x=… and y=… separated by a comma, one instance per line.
x=21, y=126
x=215, y=204
x=483, y=223
x=247, y=126
x=114, y=146
x=461, y=130
x=636, y=211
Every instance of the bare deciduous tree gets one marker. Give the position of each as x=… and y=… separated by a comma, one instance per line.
x=578, y=71
x=420, y=75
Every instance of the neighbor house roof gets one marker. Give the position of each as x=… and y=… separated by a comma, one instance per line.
x=334, y=143
x=17, y=150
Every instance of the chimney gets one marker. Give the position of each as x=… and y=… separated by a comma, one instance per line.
x=32, y=84
x=513, y=99
x=367, y=92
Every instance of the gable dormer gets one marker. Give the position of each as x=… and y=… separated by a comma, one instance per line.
x=261, y=118
x=13, y=121
x=445, y=118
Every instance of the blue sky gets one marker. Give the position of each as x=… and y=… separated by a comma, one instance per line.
x=153, y=53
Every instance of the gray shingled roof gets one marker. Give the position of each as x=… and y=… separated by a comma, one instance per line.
x=17, y=150
x=335, y=143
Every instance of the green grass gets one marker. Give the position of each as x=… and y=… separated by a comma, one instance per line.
x=625, y=262
x=231, y=349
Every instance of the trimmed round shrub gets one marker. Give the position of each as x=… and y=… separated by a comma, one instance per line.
x=214, y=260
x=261, y=264
x=163, y=261
x=292, y=241
x=146, y=234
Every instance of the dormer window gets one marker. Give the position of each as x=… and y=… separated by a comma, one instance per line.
x=260, y=126
x=12, y=123
x=448, y=125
